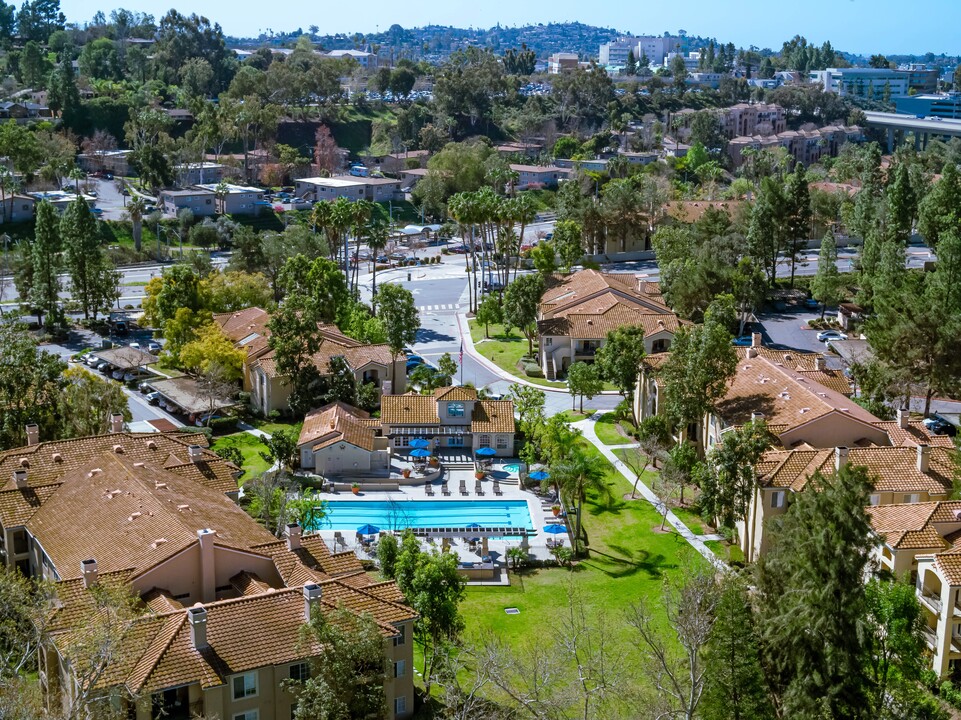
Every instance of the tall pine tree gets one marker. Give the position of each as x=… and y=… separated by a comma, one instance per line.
x=812, y=600
x=82, y=254
x=45, y=261
x=798, y=215
x=734, y=686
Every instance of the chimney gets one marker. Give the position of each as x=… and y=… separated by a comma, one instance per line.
x=755, y=340
x=757, y=417
x=840, y=457
x=903, y=416
x=924, y=457
x=196, y=453
x=208, y=576
x=20, y=479
x=116, y=423
x=820, y=363
x=33, y=434
x=293, y=536
x=88, y=571
x=312, y=594
x=197, y=617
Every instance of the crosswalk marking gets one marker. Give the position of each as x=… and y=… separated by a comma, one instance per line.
x=439, y=308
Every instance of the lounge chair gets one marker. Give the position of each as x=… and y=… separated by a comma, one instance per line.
x=444, y=489
x=478, y=489
x=463, y=488
x=429, y=489
x=497, y=488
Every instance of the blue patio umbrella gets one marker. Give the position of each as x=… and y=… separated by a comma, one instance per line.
x=420, y=453
x=420, y=443
x=368, y=529
x=473, y=525
x=485, y=452
x=555, y=529
x=539, y=475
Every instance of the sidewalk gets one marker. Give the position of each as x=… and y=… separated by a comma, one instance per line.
x=695, y=541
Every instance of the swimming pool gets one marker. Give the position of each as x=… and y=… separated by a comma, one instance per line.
x=397, y=515
x=512, y=468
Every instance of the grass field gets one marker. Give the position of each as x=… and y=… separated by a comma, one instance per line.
x=505, y=351
x=250, y=447
x=270, y=426
x=628, y=562
x=608, y=431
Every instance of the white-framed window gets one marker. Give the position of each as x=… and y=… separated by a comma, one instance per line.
x=400, y=669
x=777, y=499
x=247, y=715
x=299, y=671
x=400, y=705
x=401, y=637
x=245, y=685
x=874, y=499
x=455, y=409
x=398, y=442
x=501, y=442
x=484, y=441
x=912, y=498
x=548, y=341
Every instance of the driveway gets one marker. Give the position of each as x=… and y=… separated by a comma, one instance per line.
x=788, y=329
x=110, y=200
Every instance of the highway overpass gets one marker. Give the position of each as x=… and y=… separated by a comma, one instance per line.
x=923, y=129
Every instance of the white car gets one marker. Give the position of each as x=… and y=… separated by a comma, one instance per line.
x=93, y=361
x=153, y=347
x=135, y=345
x=829, y=335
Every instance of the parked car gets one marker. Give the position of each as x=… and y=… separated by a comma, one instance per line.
x=457, y=250
x=493, y=285
x=383, y=259
x=130, y=376
x=743, y=341
x=829, y=335
x=144, y=387
x=154, y=347
x=117, y=374
x=398, y=256
x=363, y=255
x=938, y=425
x=203, y=419
x=93, y=361
x=414, y=364
x=104, y=367
x=153, y=398
x=135, y=345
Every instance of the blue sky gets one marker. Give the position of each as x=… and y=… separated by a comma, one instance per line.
x=864, y=26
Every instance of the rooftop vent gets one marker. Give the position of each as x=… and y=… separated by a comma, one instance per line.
x=134, y=515
x=20, y=479
x=138, y=464
x=95, y=471
x=57, y=458
x=24, y=463
x=158, y=542
x=33, y=434
x=89, y=573
x=160, y=486
x=118, y=449
x=183, y=508
x=196, y=453
x=151, y=445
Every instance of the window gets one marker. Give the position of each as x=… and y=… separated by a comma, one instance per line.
x=401, y=637
x=299, y=671
x=875, y=499
x=455, y=441
x=777, y=499
x=455, y=409
x=400, y=705
x=484, y=441
x=501, y=442
x=912, y=498
x=399, y=669
x=548, y=341
x=398, y=442
x=248, y=715
x=245, y=685
x=19, y=542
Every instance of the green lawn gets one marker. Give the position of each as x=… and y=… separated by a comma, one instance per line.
x=505, y=351
x=272, y=426
x=726, y=551
x=608, y=431
x=692, y=519
x=250, y=447
x=627, y=563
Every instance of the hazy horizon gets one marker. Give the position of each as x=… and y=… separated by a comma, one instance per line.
x=856, y=26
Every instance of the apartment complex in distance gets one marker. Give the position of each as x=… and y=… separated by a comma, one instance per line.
x=655, y=48
x=221, y=602
x=805, y=146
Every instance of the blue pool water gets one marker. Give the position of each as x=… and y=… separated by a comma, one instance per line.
x=391, y=515
x=512, y=468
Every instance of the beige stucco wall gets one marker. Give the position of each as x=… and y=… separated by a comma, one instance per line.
x=834, y=430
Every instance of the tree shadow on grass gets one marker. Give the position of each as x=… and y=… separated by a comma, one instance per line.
x=629, y=563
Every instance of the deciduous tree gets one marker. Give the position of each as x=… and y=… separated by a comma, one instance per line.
x=583, y=379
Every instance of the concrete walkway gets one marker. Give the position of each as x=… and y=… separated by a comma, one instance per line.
x=587, y=427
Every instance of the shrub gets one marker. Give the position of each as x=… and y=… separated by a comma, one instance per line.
x=444, y=251
x=533, y=370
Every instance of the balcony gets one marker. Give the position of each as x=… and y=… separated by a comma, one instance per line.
x=931, y=600
x=930, y=637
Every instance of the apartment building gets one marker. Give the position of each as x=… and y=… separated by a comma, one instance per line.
x=268, y=388
x=221, y=602
x=199, y=173
x=805, y=146
x=237, y=199
x=562, y=62
x=653, y=47
x=547, y=176
x=578, y=311
x=202, y=203
x=921, y=542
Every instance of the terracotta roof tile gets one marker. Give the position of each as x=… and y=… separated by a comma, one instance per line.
x=493, y=416
x=408, y=410
x=243, y=323
x=456, y=392
x=914, y=434
x=566, y=292
x=949, y=564
x=335, y=423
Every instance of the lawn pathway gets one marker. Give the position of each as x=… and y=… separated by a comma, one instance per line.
x=587, y=427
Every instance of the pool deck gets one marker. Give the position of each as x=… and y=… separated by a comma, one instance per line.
x=538, y=507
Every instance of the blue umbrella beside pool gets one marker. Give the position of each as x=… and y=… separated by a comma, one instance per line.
x=420, y=443
x=555, y=529
x=368, y=529
x=420, y=453
x=539, y=475
x=486, y=452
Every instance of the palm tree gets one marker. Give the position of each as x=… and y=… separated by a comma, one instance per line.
x=579, y=474
x=135, y=211
x=376, y=241
x=341, y=219
x=361, y=213
x=77, y=175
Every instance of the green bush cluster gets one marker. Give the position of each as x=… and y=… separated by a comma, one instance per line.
x=532, y=369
